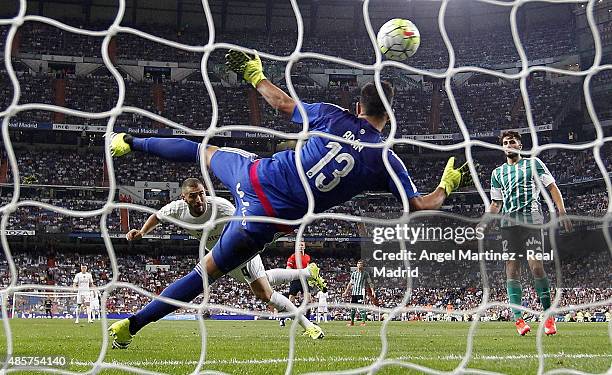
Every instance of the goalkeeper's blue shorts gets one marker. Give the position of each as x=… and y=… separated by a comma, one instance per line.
x=241, y=240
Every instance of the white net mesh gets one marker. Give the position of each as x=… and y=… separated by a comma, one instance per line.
x=467, y=143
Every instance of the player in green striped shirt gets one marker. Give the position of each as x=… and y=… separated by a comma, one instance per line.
x=360, y=284
x=516, y=195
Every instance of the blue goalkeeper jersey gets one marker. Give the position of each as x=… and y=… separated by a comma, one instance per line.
x=336, y=171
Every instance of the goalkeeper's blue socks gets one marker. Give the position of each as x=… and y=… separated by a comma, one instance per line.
x=184, y=289
x=173, y=149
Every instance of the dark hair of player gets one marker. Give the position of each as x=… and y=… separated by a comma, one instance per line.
x=511, y=134
x=190, y=183
x=370, y=101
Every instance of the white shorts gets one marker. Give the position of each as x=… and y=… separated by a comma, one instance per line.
x=83, y=297
x=246, y=272
x=322, y=309
x=95, y=304
x=250, y=271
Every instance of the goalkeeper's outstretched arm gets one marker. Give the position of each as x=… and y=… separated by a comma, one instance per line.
x=431, y=201
x=250, y=68
x=276, y=97
x=452, y=179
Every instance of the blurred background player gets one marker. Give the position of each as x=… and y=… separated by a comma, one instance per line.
x=515, y=193
x=84, y=282
x=95, y=305
x=360, y=284
x=48, y=307
x=195, y=207
x=295, y=286
x=322, y=296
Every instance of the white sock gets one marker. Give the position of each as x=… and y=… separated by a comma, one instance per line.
x=282, y=276
x=283, y=304
x=88, y=313
x=77, y=312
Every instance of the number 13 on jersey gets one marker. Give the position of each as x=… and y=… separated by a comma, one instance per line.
x=322, y=182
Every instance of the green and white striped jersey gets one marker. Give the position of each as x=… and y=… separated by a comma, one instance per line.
x=515, y=186
x=359, y=281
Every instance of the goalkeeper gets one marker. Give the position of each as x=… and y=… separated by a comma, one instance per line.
x=335, y=171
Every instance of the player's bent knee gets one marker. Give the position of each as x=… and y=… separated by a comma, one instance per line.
x=262, y=289
x=263, y=295
x=211, y=267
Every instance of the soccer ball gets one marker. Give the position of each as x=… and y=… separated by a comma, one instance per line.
x=398, y=39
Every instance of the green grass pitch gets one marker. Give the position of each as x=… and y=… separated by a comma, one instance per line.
x=262, y=347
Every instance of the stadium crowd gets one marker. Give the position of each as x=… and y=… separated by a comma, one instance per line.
x=539, y=40
x=154, y=273
x=58, y=170
x=187, y=102
x=58, y=162
x=483, y=106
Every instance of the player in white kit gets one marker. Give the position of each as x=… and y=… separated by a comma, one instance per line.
x=252, y=270
x=196, y=208
x=95, y=305
x=84, y=282
x=322, y=296
x=179, y=209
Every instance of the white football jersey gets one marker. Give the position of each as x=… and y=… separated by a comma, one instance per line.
x=179, y=209
x=83, y=280
x=95, y=302
x=322, y=297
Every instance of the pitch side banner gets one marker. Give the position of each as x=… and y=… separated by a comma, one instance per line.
x=214, y=317
x=430, y=137
x=188, y=237
x=142, y=131
x=250, y=134
x=20, y=232
x=483, y=134
x=122, y=235
x=31, y=125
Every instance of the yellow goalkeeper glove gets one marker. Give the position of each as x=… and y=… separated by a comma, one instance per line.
x=453, y=179
x=245, y=65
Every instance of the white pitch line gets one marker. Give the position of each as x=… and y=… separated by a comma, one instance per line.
x=269, y=361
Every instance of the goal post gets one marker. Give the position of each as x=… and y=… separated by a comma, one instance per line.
x=32, y=304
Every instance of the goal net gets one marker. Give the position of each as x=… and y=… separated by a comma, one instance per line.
x=23, y=302
x=43, y=305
